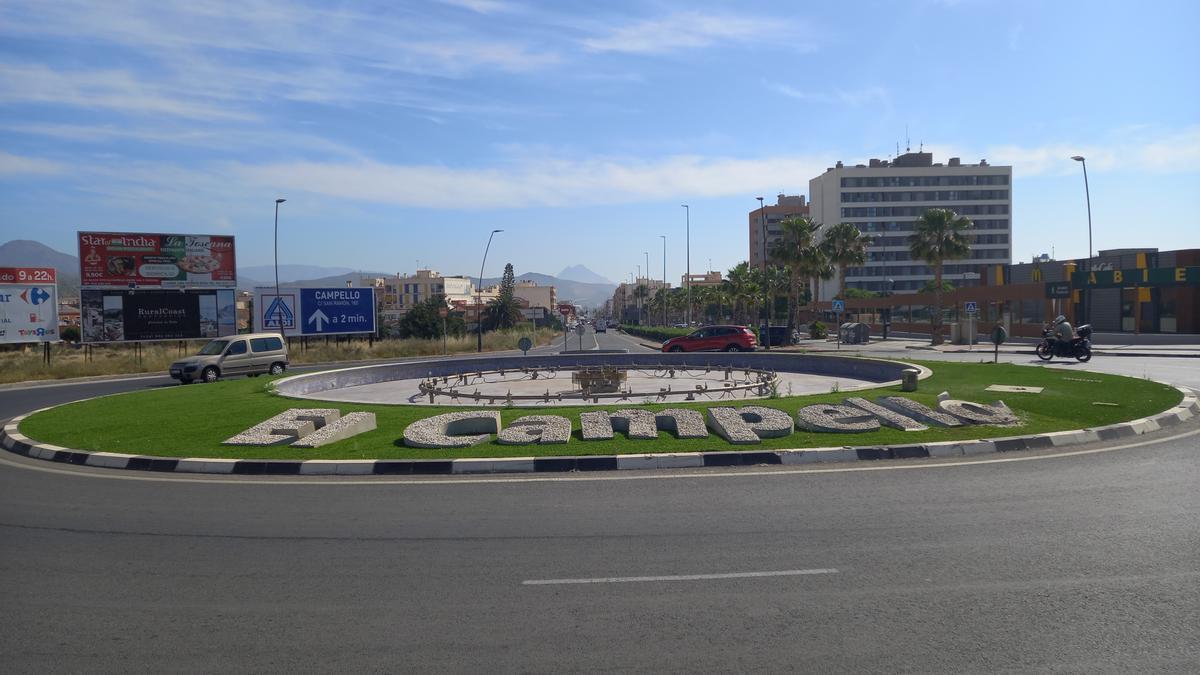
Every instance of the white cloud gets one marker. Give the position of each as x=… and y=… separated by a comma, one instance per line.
x=685, y=30
x=102, y=89
x=549, y=182
x=1134, y=149
x=848, y=97
x=481, y=6
x=16, y=165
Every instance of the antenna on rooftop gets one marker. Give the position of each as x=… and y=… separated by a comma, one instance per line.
x=897, y=148
x=907, y=142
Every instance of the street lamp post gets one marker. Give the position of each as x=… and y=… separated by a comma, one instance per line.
x=277, y=301
x=762, y=216
x=479, y=291
x=664, y=288
x=1087, y=306
x=687, y=215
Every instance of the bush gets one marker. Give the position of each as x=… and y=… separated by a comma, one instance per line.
x=817, y=330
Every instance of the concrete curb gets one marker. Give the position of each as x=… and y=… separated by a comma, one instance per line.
x=984, y=349
x=12, y=440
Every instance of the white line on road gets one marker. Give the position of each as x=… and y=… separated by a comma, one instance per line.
x=678, y=577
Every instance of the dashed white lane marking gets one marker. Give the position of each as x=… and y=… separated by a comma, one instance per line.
x=121, y=474
x=678, y=577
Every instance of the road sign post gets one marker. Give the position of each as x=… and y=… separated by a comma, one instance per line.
x=972, y=308
x=839, y=307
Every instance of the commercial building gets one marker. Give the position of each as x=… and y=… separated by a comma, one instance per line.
x=1143, y=292
x=785, y=206
x=883, y=198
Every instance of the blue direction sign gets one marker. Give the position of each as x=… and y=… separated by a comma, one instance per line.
x=839, y=306
x=972, y=307
x=335, y=311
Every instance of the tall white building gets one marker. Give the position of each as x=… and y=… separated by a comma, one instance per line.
x=883, y=198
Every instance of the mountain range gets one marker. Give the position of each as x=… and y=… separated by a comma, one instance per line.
x=576, y=289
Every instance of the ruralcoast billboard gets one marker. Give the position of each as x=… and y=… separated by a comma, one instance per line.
x=28, y=305
x=189, y=314
x=141, y=260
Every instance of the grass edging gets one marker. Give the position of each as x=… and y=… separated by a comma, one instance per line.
x=120, y=423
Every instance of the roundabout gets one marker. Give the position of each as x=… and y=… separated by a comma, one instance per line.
x=302, y=425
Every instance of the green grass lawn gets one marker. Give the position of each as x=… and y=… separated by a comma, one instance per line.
x=192, y=421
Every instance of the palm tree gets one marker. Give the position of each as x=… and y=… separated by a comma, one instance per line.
x=741, y=290
x=814, y=266
x=846, y=246
x=771, y=280
x=939, y=235
x=639, y=295
x=798, y=235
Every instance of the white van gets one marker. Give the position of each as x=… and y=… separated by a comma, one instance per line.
x=252, y=354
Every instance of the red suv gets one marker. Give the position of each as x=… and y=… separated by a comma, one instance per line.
x=722, y=338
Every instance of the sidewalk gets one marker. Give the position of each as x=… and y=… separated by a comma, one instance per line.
x=1024, y=346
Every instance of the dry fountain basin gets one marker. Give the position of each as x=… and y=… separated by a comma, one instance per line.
x=582, y=379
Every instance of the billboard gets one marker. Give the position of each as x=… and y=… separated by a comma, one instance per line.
x=315, y=311
x=141, y=260
x=117, y=316
x=28, y=305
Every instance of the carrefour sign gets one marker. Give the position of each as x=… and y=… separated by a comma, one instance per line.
x=28, y=305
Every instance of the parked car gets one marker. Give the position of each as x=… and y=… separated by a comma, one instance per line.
x=252, y=354
x=720, y=338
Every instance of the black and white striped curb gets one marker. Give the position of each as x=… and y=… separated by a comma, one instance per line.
x=11, y=439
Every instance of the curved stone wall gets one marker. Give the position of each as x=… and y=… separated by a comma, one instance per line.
x=871, y=370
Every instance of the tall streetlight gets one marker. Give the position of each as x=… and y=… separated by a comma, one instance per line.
x=687, y=216
x=664, y=238
x=479, y=291
x=762, y=216
x=1087, y=307
x=277, y=301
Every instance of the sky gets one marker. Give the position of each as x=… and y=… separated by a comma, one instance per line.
x=402, y=133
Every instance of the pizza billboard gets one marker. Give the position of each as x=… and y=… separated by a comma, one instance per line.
x=146, y=260
x=147, y=315
x=28, y=305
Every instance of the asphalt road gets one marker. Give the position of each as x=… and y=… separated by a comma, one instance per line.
x=1082, y=563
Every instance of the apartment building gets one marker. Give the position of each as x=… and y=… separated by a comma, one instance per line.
x=786, y=206
x=698, y=280
x=626, y=304
x=884, y=197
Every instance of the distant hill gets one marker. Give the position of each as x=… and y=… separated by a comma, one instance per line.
x=290, y=272
x=27, y=253
x=583, y=275
x=591, y=295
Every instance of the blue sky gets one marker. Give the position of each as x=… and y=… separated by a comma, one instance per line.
x=405, y=132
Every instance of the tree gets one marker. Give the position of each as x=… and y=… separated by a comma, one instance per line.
x=505, y=311
x=939, y=235
x=846, y=246
x=815, y=266
x=798, y=235
x=639, y=294
x=423, y=320
x=771, y=281
x=741, y=291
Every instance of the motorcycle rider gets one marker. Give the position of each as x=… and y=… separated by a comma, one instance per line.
x=1063, y=333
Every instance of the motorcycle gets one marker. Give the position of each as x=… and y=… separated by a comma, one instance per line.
x=1080, y=347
